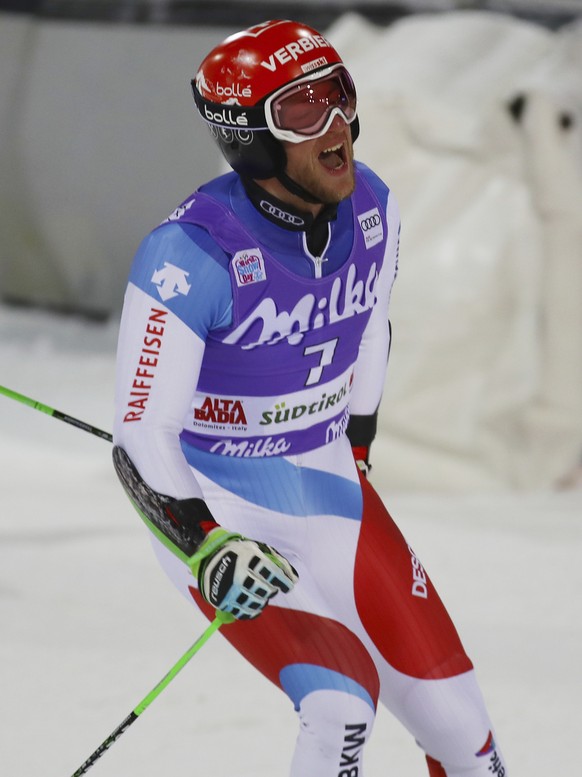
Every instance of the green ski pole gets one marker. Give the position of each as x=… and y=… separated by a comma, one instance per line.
x=55, y=413
x=219, y=620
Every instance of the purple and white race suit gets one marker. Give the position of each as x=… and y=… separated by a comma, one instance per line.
x=241, y=356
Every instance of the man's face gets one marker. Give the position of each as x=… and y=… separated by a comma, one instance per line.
x=324, y=166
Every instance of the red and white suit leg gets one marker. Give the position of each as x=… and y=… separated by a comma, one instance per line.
x=354, y=631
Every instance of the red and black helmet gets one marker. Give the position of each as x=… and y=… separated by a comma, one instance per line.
x=280, y=80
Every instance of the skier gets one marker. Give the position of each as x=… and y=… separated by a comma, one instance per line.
x=252, y=351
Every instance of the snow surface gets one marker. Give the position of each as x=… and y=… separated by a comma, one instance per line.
x=90, y=624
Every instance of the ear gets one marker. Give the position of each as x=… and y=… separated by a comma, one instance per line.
x=355, y=128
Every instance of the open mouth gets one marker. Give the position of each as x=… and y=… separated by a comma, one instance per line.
x=333, y=158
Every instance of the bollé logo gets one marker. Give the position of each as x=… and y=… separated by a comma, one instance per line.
x=226, y=116
x=234, y=91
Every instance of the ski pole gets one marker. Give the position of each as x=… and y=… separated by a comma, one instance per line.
x=55, y=413
x=221, y=617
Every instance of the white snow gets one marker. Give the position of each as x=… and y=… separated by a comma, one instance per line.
x=90, y=624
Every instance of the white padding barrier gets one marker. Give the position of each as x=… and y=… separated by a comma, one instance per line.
x=484, y=389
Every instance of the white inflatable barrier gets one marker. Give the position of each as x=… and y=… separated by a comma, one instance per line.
x=484, y=389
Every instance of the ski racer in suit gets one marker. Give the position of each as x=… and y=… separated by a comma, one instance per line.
x=252, y=351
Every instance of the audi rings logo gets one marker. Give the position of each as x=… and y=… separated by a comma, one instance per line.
x=372, y=227
x=281, y=215
x=369, y=223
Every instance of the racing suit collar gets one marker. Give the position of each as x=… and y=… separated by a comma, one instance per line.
x=284, y=215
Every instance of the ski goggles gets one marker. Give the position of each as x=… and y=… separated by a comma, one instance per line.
x=305, y=109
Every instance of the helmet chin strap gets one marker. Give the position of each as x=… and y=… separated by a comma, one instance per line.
x=298, y=190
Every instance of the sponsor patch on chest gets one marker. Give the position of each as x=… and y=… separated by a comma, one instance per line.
x=372, y=227
x=249, y=267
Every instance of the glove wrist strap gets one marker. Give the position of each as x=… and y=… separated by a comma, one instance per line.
x=214, y=540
